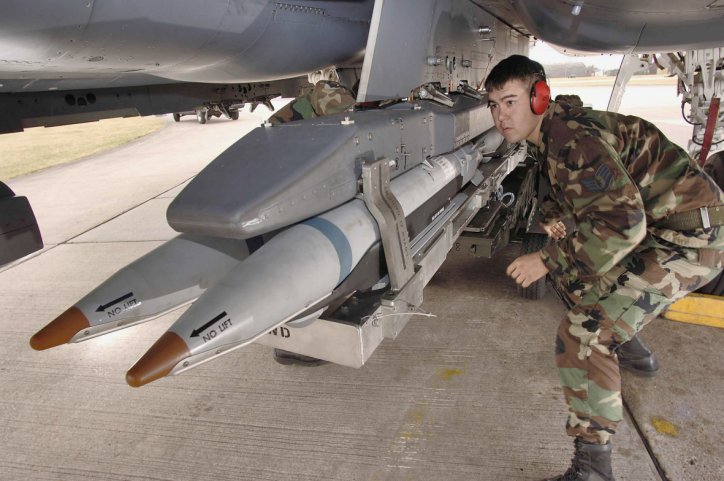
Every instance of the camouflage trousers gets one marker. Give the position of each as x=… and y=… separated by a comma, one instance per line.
x=608, y=313
x=325, y=98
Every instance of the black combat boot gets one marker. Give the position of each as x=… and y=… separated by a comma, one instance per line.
x=637, y=358
x=591, y=462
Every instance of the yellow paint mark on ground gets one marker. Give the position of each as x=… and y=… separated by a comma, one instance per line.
x=702, y=309
x=447, y=373
x=417, y=415
x=664, y=427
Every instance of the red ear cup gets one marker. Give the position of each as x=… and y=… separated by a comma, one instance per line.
x=540, y=97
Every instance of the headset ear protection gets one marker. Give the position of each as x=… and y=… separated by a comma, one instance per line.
x=540, y=97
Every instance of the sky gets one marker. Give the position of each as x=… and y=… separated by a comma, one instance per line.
x=545, y=54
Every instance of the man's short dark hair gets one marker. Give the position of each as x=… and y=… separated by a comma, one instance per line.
x=515, y=67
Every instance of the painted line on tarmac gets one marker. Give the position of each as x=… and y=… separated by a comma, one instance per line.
x=701, y=309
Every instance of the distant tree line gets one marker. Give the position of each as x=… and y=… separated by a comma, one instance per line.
x=579, y=69
x=571, y=69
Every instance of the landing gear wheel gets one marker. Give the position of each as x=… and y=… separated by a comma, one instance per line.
x=201, y=116
x=533, y=243
x=176, y=117
x=234, y=114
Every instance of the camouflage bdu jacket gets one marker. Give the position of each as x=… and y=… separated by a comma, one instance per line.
x=617, y=176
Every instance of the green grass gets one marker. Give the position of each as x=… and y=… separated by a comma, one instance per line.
x=39, y=148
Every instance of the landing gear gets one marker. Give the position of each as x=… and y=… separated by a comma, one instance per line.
x=700, y=74
x=207, y=111
x=223, y=110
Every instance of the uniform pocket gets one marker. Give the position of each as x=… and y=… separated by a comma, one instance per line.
x=630, y=304
x=647, y=305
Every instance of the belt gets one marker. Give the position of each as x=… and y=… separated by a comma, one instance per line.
x=703, y=218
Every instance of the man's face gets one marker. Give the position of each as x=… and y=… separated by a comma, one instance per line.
x=511, y=111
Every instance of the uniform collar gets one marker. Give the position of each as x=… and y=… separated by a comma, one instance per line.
x=542, y=146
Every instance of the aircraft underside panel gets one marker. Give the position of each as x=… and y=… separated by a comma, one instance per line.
x=111, y=58
x=112, y=43
x=445, y=41
x=622, y=26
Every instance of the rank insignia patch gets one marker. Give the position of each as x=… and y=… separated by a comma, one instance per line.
x=600, y=181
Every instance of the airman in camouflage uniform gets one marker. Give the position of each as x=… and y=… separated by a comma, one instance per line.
x=325, y=98
x=635, y=198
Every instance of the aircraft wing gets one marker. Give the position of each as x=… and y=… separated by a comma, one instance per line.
x=105, y=58
x=136, y=57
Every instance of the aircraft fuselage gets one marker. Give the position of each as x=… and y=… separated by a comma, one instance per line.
x=104, y=43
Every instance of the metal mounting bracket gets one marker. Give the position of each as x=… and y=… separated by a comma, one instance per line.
x=388, y=213
x=431, y=92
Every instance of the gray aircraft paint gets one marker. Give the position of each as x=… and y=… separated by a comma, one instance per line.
x=107, y=43
x=624, y=26
x=166, y=278
x=307, y=167
x=303, y=264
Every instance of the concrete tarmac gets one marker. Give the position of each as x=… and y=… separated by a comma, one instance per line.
x=471, y=394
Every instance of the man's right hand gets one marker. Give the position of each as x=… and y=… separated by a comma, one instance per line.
x=555, y=229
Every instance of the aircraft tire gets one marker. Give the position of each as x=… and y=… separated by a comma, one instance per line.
x=533, y=243
x=234, y=114
x=176, y=117
x=201, y=116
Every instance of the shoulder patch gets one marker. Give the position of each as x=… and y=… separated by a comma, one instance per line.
x=600, y=181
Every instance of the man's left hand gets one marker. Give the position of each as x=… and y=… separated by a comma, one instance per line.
x=555, y=230
x=527, y=269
